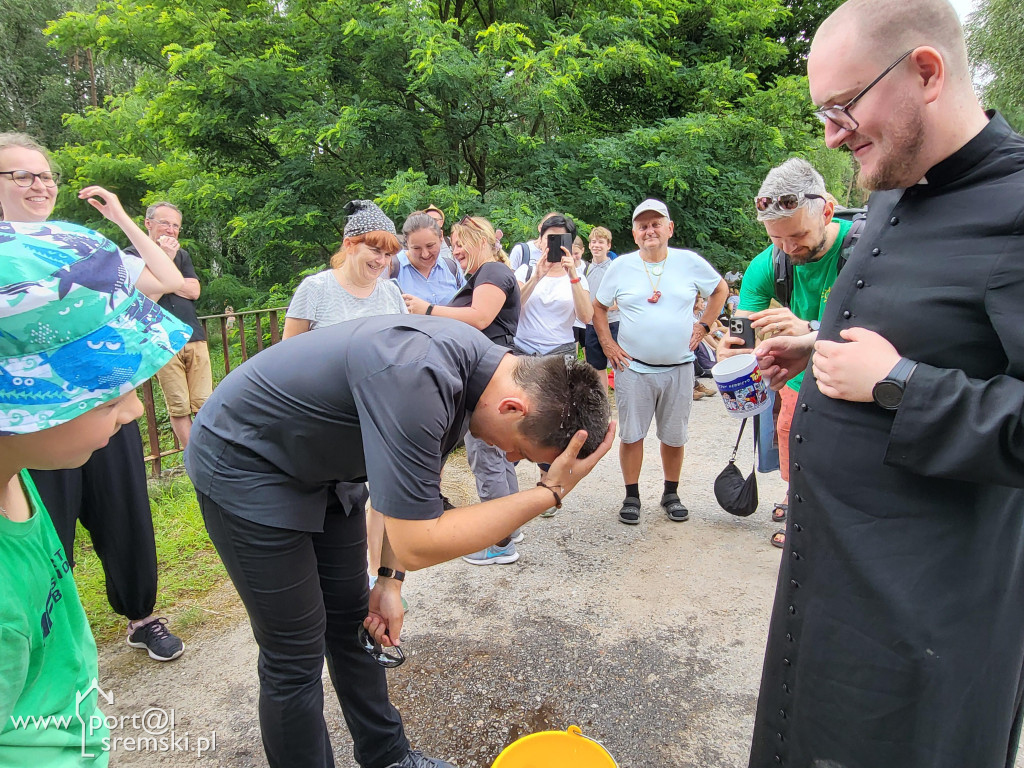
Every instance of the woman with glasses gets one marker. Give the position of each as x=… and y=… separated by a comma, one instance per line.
x=489, y=302
x=108, y=493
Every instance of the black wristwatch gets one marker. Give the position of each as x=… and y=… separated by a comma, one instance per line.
x=391, y=573
x=888, y=393
x=707, y=328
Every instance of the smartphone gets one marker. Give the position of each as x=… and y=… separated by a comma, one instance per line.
x=741, y=328
x=555, y=244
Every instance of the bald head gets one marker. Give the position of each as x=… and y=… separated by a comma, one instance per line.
x=883, y=29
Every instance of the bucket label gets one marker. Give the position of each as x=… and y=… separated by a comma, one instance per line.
x=746, y=395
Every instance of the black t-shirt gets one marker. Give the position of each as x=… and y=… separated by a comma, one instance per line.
x=383, y=399
x=182, y=308
x=503, y=329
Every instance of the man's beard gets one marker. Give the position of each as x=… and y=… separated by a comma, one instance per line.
x=814, y=253
x=895, y=170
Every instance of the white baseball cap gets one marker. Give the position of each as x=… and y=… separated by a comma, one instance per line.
x=650, y=204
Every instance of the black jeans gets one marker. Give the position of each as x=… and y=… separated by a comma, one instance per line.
x=108, y=494
x=306, y=595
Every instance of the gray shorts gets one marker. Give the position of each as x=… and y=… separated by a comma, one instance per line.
x=666, y=397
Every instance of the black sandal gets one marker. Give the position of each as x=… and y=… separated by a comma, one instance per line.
x=779, y=538
x=630, y=512
x=674, y=508
x=780, y=518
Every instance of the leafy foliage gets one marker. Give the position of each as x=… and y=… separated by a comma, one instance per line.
x=995, y=38
x=262, y=119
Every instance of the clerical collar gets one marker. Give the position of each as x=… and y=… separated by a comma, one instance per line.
x=971, y=154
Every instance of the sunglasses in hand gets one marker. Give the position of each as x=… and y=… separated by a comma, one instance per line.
x=387, y=657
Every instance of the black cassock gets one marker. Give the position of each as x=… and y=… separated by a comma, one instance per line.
x=897, y=635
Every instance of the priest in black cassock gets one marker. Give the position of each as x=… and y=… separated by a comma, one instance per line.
x=897, y=637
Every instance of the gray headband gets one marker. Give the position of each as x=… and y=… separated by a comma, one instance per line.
x=364, y=216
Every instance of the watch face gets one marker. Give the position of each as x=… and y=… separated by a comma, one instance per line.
x=888, y=394
x=815, y=325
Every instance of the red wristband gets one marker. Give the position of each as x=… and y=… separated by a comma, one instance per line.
x=575, y=280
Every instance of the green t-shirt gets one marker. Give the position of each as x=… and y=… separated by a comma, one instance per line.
x=812, y=283
x=47, y=653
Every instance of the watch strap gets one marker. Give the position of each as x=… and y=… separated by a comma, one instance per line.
x=390, y=573
x=900, y=373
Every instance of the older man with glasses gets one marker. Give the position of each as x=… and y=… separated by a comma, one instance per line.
x=897, y=636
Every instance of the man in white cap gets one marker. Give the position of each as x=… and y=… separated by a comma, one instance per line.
x=655, y=289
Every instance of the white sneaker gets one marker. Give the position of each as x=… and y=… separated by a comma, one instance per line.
x=518, y=536
x=494, y=556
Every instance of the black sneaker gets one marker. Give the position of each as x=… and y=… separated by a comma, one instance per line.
x=416, y=759
x=157, y=640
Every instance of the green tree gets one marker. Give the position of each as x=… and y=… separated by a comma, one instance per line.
x=995, y=39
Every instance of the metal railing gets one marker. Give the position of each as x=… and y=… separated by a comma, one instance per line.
x=235, y=337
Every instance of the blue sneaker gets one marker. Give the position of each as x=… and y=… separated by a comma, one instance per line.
x=494, y=556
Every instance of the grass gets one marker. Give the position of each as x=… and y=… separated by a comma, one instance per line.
x=187, y=564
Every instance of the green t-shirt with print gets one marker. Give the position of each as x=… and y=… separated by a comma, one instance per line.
x=47, y=652
x=812, y=283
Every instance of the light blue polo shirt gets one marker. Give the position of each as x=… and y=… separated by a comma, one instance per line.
x=438, y=287
x=657, y=333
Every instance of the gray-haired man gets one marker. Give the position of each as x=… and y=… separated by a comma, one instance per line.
x=187, y=380
x=794, y=207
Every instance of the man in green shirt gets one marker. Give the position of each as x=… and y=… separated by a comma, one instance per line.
x=797, y=213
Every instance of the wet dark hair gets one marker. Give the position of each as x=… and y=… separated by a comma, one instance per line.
x=565, y=396
x=559, y=221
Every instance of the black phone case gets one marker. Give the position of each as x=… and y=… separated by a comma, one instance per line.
x=740, y=328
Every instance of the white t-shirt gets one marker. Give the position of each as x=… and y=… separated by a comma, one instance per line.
x=517, y=258
x=657, y=333
x=547, y=317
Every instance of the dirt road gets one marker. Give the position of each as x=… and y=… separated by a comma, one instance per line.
x=650, y=638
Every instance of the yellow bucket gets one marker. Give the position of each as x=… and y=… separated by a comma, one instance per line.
x=555, y=749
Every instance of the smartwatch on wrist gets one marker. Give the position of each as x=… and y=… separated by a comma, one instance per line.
x=888, y=393
x=707, y=328
x=814, y=325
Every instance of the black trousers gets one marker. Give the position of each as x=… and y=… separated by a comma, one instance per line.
x=306, y=595
x=108, y=494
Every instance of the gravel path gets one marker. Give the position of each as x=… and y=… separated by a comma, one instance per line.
x=650, y=637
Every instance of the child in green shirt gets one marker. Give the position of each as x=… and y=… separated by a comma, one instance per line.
x=75, y=340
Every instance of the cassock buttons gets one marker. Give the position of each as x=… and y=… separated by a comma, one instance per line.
x=876, y=251
x=789, y=637
x=799, y=438
x=785, y=687
x=782, y=714
x=778, y=760
x=799, y=499
x=894, y=221
x=794, y=584
x=780, y=737
x=797, y=527
x=847, y=314
x=796, y=556
x=803, y=406
x=860, y=283
x=787, y=662
x=792, y=610
x=796, y=467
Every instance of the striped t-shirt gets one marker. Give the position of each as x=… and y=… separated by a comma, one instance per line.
x=322, y=301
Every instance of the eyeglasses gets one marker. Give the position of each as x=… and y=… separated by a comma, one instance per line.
x=27, y=178
x=840, y=116
x=788, y=202
x=387, y=657
x=168, y=224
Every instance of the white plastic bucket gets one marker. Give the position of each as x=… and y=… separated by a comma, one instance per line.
x=743, y=388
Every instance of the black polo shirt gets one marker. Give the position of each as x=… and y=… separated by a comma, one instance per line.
x=182, y=308
x=383, y=399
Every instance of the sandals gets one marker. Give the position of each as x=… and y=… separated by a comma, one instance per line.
x=779, y=513
x=779, y=538
x=674, y=508
x=630, y=512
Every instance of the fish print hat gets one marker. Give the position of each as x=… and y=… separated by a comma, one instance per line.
x=74, y=332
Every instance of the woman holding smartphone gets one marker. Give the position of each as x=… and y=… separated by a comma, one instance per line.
x=489, y=301
x=554, y=297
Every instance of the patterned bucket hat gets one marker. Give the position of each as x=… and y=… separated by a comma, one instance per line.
x=74, y=332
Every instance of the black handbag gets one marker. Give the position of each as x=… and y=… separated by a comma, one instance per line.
x=736, y=495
